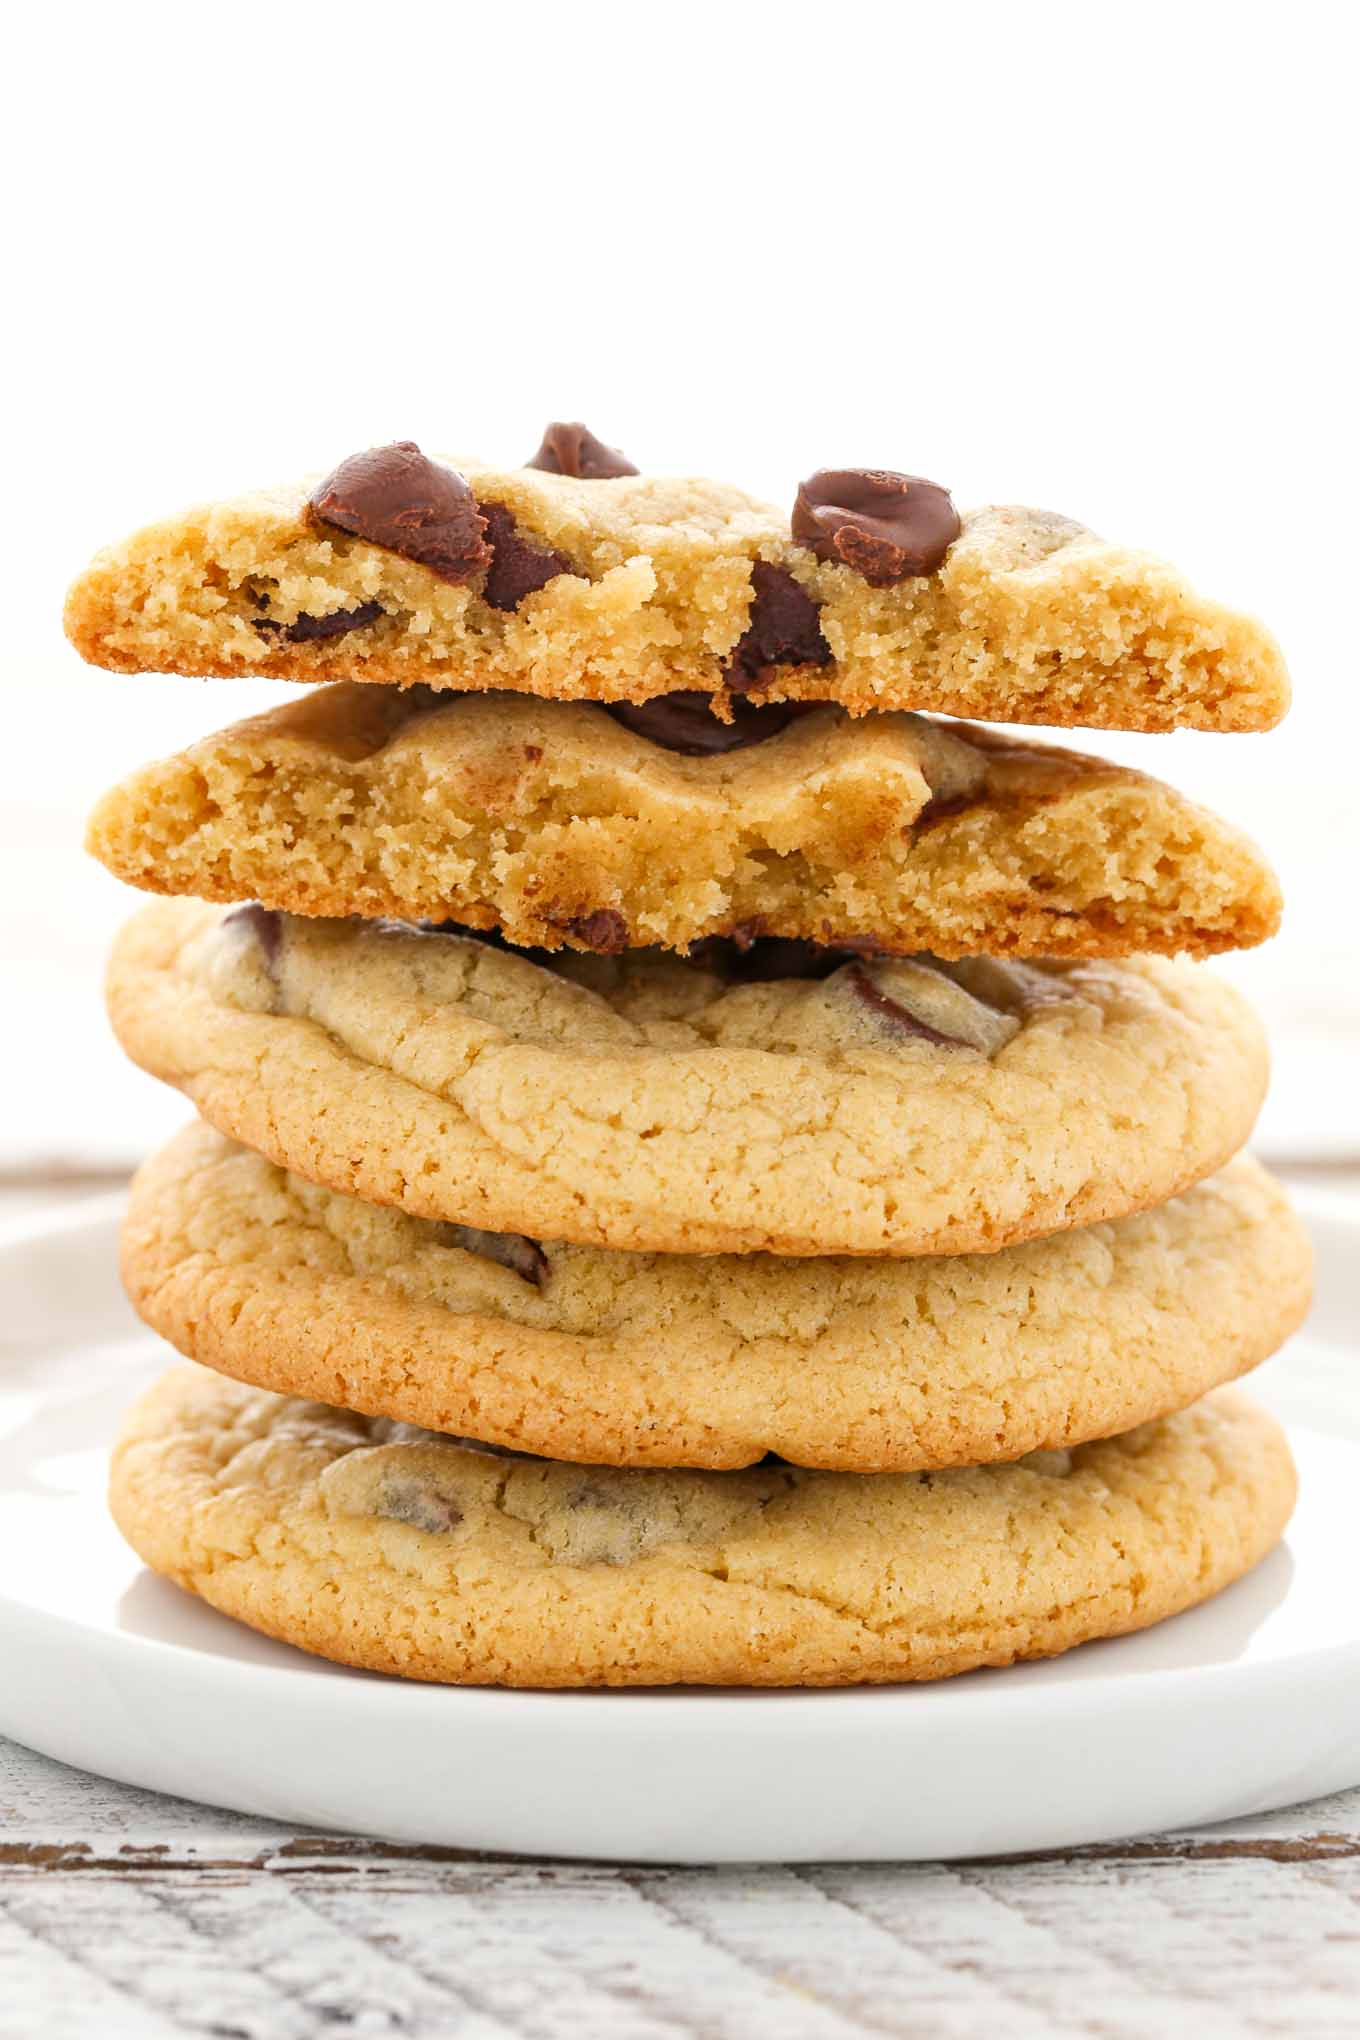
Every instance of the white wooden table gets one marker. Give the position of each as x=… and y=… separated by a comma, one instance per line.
x=126, y=1914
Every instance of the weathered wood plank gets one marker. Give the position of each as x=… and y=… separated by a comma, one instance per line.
x=500, y=1951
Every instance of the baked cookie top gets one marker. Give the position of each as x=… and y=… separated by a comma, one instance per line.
x=405, y=1552
x=725, y=1103
x=630, y=1359
x=557, y=823
x=616, y=586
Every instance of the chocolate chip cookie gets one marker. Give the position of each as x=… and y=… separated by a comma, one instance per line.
x=575, y=577
x=780, y=1098
x=401, y=1551
x=681, y=1360
x=566, y=823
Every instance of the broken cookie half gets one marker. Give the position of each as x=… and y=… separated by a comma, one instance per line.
x=575, y=577
x=565, y=824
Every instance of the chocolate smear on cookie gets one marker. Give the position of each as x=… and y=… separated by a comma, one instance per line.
x=522, y=1256
x=685, y=722
x=263, y=924
x=519, y=565
x=394, y=497
x=887, y=527
x=306, y=630
x=782, y=629
x=898, y=1016
x=569, y=449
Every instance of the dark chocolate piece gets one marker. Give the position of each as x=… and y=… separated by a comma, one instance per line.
x=306, y=630
x=685, y=722
x=604, y=930
x=745, y=958
x=519, y=565
x=888, y=527
x=394, y=497
x=522, y=1256
x=898, y=1016
x=782, y=629
x=572, y=450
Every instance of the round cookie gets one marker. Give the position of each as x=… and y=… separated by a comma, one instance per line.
x=403, y=1552
x=715, y=1104
x=586, y=1354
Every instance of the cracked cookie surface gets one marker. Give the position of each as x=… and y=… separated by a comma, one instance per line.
x=656, y=586
x=404, y=1552
x=581, y=1353
x=554, y=824
x=892, y=1106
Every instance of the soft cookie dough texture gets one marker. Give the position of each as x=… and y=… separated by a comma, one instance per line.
x=648, y=1102
x=550, y=821
x=679, y=1360
x=1030, y=617
x=405, y=1552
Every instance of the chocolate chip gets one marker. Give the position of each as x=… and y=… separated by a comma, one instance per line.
x=263, y=923
x=900, y=1017
x=588, y=1496
x=519, y=566
x=604, y=930
x=886, y=526
x=572, y=450
x=408, y=1501
x=522, y=1256
x=685, y=722
x=306, y=630
x=394, y=497
x=781, y=630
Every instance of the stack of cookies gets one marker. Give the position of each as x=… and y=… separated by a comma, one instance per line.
x=707, y=1171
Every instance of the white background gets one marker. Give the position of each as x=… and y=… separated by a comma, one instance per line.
x=1098, y=258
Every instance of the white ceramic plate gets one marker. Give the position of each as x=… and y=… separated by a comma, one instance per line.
x=1247, y=1704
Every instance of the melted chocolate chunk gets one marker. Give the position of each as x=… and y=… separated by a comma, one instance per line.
x=782, y=630
x=522, y=1256
x=519, y=565
x=572, y=450
x=264, y=923
x=685, y=722
x=898, y=1016
x=748, y=958
x=306, y=630
x=604, y=930
x=888, y=527
x=394, y=497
